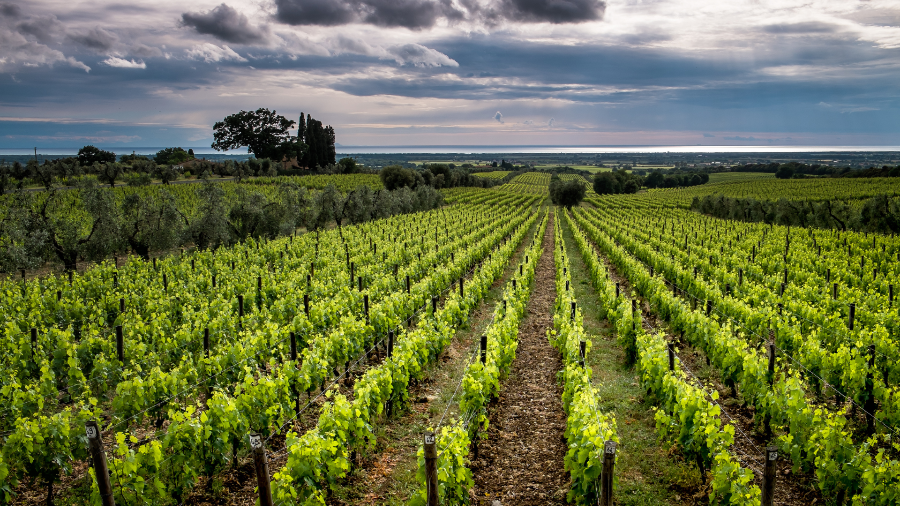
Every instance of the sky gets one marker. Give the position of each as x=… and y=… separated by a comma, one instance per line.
x=454, y=72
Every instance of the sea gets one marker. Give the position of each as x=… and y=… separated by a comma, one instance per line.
x=483, y=149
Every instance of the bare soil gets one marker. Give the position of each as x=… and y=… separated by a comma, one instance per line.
x=521, y=462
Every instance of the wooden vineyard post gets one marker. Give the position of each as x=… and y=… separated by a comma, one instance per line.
x=514, y=285
x=206, y=341
x=120, y=344
x=306, y=305
x=618, y=290
x=366, y=307
x=121, y=305
x=606, y=477
x=213, y=280
x=869, y=405
x=115, y=280
x=262, y=470
x=240, y=306
x=671, y=358
x=768, y=491
x=165, y=283
x=407, y=284
x=434, y=301
x=567, y=285
x=461, y=280
x=852, y=315
x=709, y=307
x=770, y=376
x=483, y=349
x=572, y=310
x=98, y=459
x=582, y=347
x=431, y=481
x=293, y=347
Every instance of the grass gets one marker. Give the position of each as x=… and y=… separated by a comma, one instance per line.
x=647, y=473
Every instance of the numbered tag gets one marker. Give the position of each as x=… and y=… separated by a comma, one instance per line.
x=773, y=455
x=429, y=439
x=91, y=432
x=255, y=441
x=610, y=447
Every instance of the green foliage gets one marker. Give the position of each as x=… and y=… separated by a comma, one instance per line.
x=89, y=155
x=263, y=132
x=616, y=182
x=566, y=193
x=172, y=156
x=395, y=176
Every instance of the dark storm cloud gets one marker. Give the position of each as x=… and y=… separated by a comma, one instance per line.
x=412, y=14
x=10, y=10
x=314, y=12
x=97, y=39
x=553, y=11
x=42, y=28
x=225, y=23
x=420, y=14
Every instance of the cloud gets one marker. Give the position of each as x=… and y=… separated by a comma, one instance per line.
x=421, y=14
x=415, y=55
x=801, y=28
x=528, y=122
x=552, y=11
x=145, y=51
x=10, y=10
x=498, y=117
x=97, y=39
x=421, y=56
x=213, y=53
x=551, y=122
x=16, y=51
x=124, y=64
x=227, y=24
x=315, y=12
x=42, y=28
x=708, y=135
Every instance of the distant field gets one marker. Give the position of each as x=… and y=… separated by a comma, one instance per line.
x=733, y=177
x=498, y=174
x=591, y=168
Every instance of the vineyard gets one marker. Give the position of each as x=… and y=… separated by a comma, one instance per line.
x=486, y=349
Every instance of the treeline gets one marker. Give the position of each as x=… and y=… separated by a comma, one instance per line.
x=137, y=170
x=92, y=223
x=619, y=181
x=796, y=169
x=880, y=214
x=437, y=175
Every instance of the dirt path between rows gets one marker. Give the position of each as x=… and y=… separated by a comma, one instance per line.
x=521, y=462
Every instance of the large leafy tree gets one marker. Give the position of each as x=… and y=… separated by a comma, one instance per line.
x=89, y=155
x=566, y=193
x=263, y=132
x=172, y=156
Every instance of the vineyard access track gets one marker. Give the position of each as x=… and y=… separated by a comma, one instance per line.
x=521, y=461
